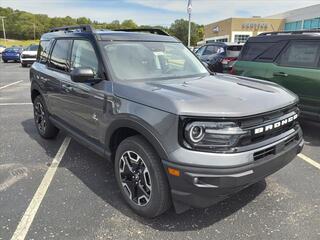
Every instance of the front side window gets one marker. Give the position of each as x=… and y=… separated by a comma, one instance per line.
x=199, y=52
x=59, y=55
x=301, y=54
x=83, y=55
x=151, y=60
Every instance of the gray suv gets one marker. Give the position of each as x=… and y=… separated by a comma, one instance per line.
x=175, y=132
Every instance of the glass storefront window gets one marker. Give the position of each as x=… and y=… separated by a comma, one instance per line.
x=241, y=38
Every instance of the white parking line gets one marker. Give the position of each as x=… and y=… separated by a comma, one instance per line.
x=8, y=85
x=15, y=104
x=309, y=160
x=27, y=218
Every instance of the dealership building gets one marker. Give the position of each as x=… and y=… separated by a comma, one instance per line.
x=240, y=29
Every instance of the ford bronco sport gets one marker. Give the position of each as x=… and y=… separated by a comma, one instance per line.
x=175, y=132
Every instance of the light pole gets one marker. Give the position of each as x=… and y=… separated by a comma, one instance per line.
x=189, y=13
x=3, y=29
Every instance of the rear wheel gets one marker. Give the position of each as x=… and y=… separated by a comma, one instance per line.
x=24, y=64
x=41, y=117
x=141, y=178
x=5, y=61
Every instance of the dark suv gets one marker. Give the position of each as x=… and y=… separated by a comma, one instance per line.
x=175, y=132
x=291, y=59
x=219, y=56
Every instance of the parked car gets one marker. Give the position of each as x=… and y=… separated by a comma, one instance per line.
x=219, y=56
x=291, y=59
x=29, y=55
x=2, y=48
x=173, y=131
x=11, y=54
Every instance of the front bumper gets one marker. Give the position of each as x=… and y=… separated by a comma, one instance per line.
x=204, y=186
x=27, y=60
x=10, y=58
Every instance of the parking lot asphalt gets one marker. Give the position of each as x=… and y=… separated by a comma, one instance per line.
x=83, y=201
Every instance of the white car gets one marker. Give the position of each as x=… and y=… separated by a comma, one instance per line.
x=29, y=55
x=2, y=48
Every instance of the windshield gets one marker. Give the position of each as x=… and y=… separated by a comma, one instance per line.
x=32, y=48
x=151, y=60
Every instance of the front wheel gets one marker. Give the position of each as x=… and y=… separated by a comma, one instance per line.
x=41, y=117
x=141, y=178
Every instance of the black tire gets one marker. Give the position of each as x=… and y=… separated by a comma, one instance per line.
x=24, y=65
x=5, y=61
x=160, y=199
x=41, y=118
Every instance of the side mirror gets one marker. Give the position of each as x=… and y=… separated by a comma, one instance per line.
x=82, y=74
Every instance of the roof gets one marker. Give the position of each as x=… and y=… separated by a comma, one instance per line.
x=225, y=43
x=280, y=36
x=109, y=35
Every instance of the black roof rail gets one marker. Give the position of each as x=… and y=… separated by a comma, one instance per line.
x=149, y=30
x=290, y=32
x=83, y=28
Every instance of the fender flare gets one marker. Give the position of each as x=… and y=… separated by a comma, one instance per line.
x=139, y=126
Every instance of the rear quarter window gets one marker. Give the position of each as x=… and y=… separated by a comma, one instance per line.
x=43, y=51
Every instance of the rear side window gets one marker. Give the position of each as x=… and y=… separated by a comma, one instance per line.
x=59, y=55
x=43, y=51
x=262, y=51
x=211, y=49
x=252, y=50
x=301, y=54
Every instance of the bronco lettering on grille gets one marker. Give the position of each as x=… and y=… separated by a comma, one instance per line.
x=275, y=125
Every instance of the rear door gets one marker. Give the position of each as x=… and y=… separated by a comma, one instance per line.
x=57, y=71
x=297, y=69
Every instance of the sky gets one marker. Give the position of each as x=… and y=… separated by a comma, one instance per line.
x=157, y=12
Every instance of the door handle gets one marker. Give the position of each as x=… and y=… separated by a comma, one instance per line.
x=280, y=74
x=67, y=87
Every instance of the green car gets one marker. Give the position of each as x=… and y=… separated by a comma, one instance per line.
x=291, y=59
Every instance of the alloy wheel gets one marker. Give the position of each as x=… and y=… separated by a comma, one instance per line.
x=40, y=117
x=135, y=178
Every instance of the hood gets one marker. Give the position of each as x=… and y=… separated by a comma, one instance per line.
x=220, y=95
x=33, y=53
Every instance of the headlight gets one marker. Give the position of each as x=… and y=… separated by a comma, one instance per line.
x=220, y=136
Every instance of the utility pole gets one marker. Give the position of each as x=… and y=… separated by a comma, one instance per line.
x=189, y=8
x=3, y=29
x=34, y=28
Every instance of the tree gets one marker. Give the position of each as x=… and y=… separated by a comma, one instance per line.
x=180, y=27
x=128, y=24
x=19, y=25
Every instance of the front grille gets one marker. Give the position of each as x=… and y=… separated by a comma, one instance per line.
x=28, y=56
x=265, y=119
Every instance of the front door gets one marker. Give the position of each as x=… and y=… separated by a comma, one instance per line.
x=297, y=69
x=83, y=103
